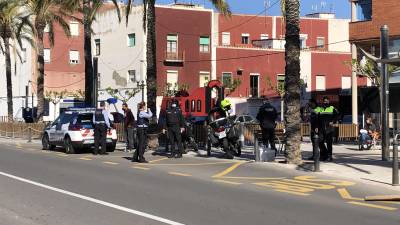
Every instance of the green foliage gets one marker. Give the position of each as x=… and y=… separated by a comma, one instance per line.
x=123, y=95
x=171, y=90
x=233, y=85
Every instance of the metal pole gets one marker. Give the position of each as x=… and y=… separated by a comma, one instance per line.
x=256, y=147
x=316, y=153
x=95, y=80
x=142, y=87
x=29, y=134
x=395, y=171
x=385, y=93
x=26, y=95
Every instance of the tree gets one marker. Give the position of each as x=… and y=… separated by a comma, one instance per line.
x=14, y=25
x=149, y=21
x=45, y=13
x=291, y=13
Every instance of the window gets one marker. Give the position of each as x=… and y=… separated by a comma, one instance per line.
x=320, y=83
x=98, y=80
x=193, y=106
x=346, y=82
x=303, y=41
x=97, y=45
x=204, y=79
x=172, y=77
x=74, y=28
x=73, y=57
x=132, y=75
x=172, y=43
x=226, y=79
x=46, y=55
x=226, y=38
x=254, y=85
x=205, y=44
x=320, y=42
x=245, y=39
x=198, y=105
x=364, y=10
x=280, y=82
x=23, y=54
x=264, y=37
x=187, y=105
x=131, y=40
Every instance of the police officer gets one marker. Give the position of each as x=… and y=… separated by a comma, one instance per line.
x=143, y=117
x=101, y=123
x=327, y=116
x=267, y=115
x=175, y=124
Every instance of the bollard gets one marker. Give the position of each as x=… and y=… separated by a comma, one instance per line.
x=395, y=171
x=316, y=153
x=29, y=134
x=256, y=147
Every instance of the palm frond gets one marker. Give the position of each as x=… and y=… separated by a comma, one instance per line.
x=128, y=10
x=117, y=8
x=222, y=6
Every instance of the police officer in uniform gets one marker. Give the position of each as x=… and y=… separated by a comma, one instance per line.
x=143, y=117
x=327, y=116
x=101, y=123
x=267, y=115
x=176, y=125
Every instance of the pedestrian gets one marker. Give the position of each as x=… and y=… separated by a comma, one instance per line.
x=313, y=119
x=143, y=117
x=267, y=115
x=101, y=122
x=129, y=125
x=175, y=124
x=327, y=116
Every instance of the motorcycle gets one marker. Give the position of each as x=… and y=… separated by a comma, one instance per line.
x=224, y=133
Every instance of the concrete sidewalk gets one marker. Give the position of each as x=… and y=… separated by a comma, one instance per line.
x=349, y=162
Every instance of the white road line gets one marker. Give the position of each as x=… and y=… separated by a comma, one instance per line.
x=97, y=201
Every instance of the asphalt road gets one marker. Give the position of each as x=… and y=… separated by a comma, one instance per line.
x=43, y=187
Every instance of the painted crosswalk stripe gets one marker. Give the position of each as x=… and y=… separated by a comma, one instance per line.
x=227, y=182
x=110, y=163
x=86, y=159
x=140, y=168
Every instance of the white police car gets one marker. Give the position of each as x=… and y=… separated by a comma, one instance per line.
x=74, y=130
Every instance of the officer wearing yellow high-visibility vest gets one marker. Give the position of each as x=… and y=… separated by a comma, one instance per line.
x=327, y=116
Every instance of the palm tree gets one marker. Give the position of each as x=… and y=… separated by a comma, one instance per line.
x=89, y=9
x=45, y=13
x=13, y=24
x=291, y=13
x=149, y=24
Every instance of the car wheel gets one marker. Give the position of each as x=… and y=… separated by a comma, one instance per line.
x=69, y=148
x=46, y=143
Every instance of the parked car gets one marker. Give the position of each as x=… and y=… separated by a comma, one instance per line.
x=245, y=119
x=74, y=130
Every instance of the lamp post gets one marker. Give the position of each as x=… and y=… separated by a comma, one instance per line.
x=141, y=85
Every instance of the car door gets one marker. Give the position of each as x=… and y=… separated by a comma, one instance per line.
x=51, y=131
x=62, y=126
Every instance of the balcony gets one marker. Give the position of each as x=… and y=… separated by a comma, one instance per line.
x=174, y=57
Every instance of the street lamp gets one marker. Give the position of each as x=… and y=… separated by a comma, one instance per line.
x=141, y=85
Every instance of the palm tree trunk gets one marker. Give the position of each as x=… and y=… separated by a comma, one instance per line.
x=88, y=66
x=40, y=75
x=151, y=57
x=292, y=81
x=9, y=79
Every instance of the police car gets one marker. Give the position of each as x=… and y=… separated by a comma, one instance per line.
x=74, y=130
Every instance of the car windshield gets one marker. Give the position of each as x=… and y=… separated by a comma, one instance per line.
x=85, y=120
x=66, y=118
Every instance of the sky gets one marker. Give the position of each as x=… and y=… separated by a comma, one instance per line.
x=340, y=7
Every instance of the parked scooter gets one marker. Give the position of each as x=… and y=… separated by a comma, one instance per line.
x=188, y=137
x=224, y=133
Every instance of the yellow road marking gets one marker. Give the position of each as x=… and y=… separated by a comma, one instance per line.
x=180, y=174
x=293, y=192
x=332, y=182
x=227, y=182
x=285, y=187
x=346, y=195
x=62, y=154
x=140, y=168
x=390, y=202
x=18, y=144
x=110, y=163
x=373, y=206
x=255, y=178
x=84, y=158
x=189, y=164
x=229, y=170
x=158, y=160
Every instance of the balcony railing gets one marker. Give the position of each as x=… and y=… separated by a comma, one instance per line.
x=175, y=57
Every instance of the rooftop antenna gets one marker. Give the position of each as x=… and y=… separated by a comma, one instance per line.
x=323, y=6
x=332, y=8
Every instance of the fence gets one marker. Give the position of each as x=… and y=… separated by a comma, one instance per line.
x=21, y=130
